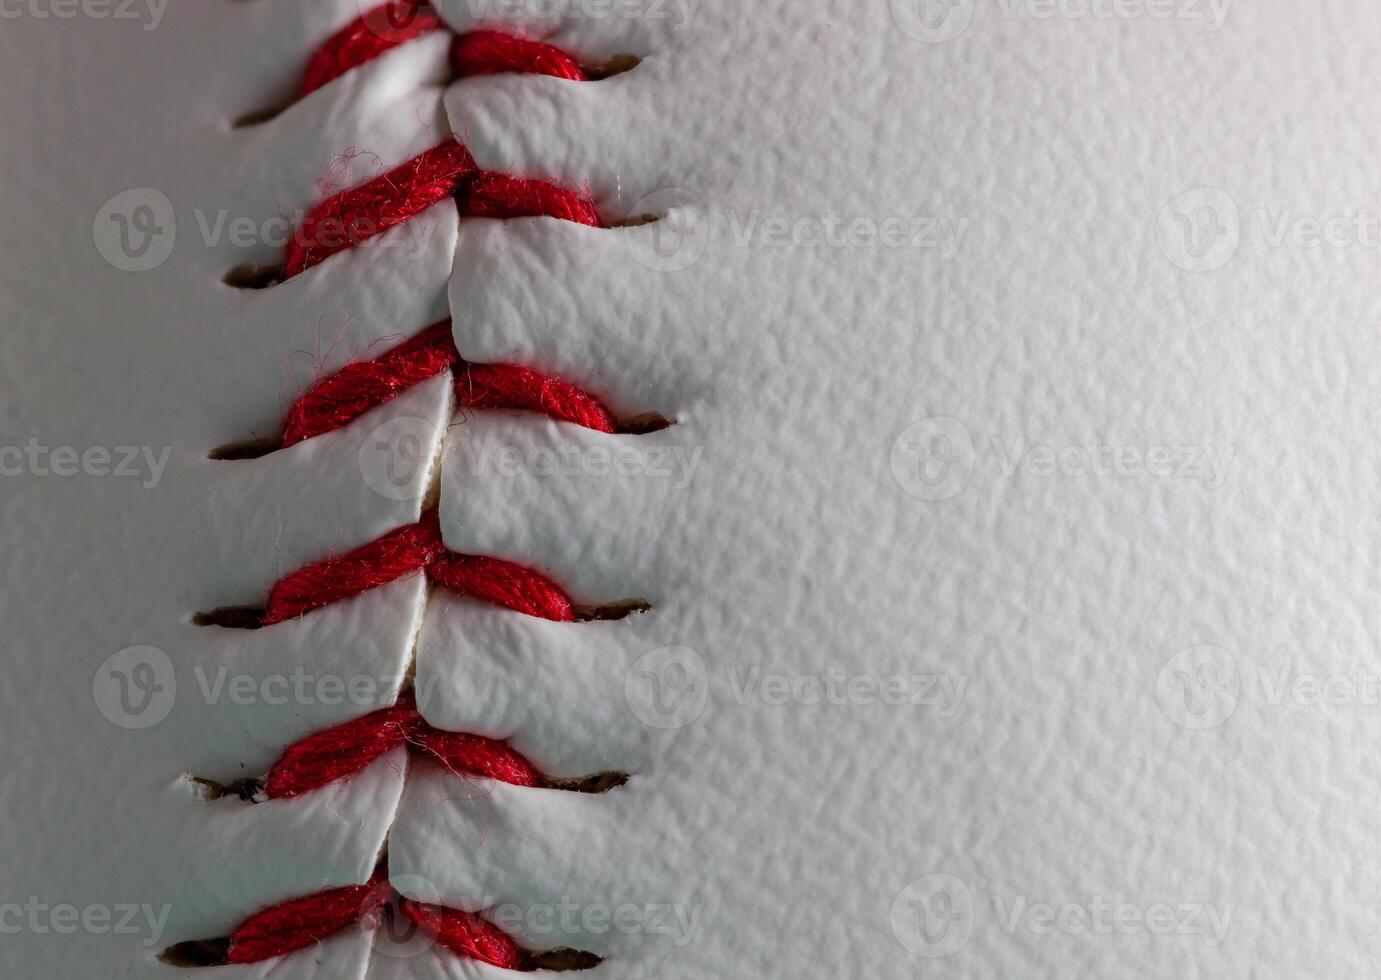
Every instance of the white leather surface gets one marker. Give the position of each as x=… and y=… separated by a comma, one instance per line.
x=1070, y=769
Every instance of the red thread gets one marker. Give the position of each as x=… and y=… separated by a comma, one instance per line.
x=385, y=27
x=400, y=552
x=414, y=548
x=300, y=923
x=354, y=216
x=365, y=38
x=510, y=386
x=463, y=934
x=339, y=399
x=337, y=753
x=494, y=195
x=355, y=389
x=303, y=922
x=490, y=53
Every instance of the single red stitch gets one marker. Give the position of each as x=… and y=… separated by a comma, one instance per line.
x=302, y=922
x=463, y=933
x=490, y=53
x=365, y=38
x=337, y=753
x=414, y=548
x=354, y=216
x=400, y=552
x=385, y=27
x=495, y=195
x=340, y=398
x=502, y=386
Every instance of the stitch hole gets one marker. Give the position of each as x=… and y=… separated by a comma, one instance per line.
x=260, y=116
x=617, y=65
x=197, y=953
x=247, y=449
x=636, y=221
x=611, y=612
x=232, y=617
x=248, y=790
x=644, y=424
x=254, y=276
x=562, y=960
x=593, y=784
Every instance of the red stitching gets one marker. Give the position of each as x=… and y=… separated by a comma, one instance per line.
x=339, y=399
x=403, y=551
x=474, y=53
x=343, y=221
x=303, y=922
x=338, y=753
x=360, y=213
